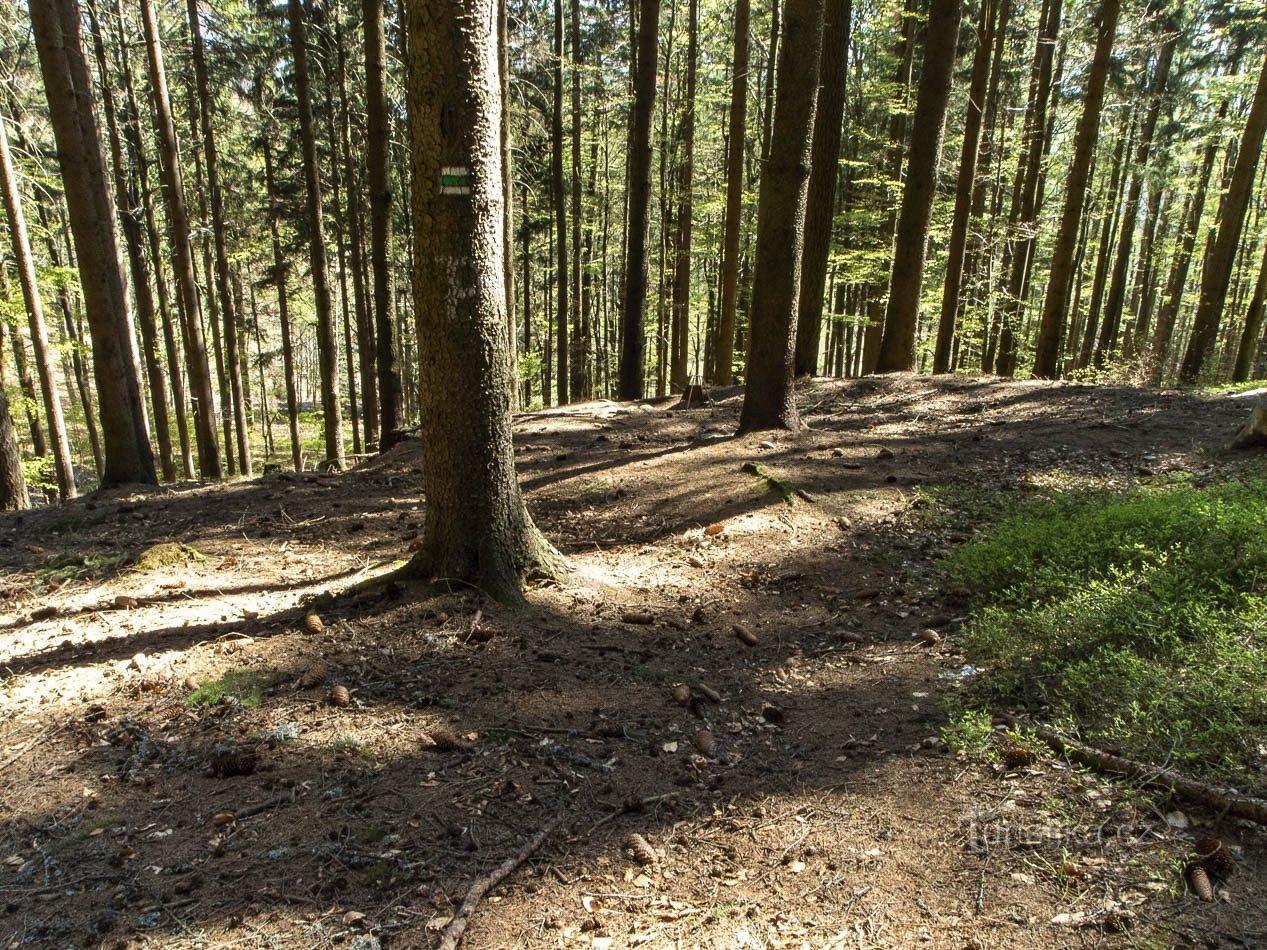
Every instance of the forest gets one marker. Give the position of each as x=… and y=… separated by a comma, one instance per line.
x=611, y=473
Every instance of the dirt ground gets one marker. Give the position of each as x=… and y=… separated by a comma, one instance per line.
x=794, y=794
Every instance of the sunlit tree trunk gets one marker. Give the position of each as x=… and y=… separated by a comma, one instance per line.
x=735, y=134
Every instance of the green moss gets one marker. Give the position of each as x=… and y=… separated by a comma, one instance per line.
x=164, y=554
x=245, y=687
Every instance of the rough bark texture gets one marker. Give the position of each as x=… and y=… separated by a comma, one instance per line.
x=378, y=162
x=21, y=247
x=477, y=528
x=558, y=197
x=13, y=495
x=1060, y=278
x=678, y=371
x=638, y=218
x=770, y=400
x=824, y=172
x=897, y=346
x=327, y=343
x=1218, y=270
x=182, y=253
x=966, y=185
x=72, y=111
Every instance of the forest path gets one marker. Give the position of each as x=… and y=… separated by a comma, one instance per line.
x=797, y=795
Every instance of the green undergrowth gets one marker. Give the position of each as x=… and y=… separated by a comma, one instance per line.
x=1135, y=620
x=244, y=687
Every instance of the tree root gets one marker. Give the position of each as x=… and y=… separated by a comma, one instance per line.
x=1223, y=800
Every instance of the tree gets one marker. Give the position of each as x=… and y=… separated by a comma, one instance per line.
x=1217, y=273
x=824, y=171
x=1056, y=303
x=633, y=312
x=182, y=252
x=378, y=160
x=558, y=195
x=72, y=112
x=681, y=300
x=228, y=311
x=327, y=344
x=957, y=249
x=897, y=346
x=734, y=197
x=13, y=495
x=770, y=400
x=478, y=530
x=35, y=318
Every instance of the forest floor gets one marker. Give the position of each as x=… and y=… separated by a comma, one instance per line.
x=172, y=775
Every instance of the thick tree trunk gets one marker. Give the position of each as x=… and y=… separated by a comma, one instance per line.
x=1253, y=326
x=1218, y=270
x=682, y=238
x=633, y=337
x=182, y=253
x=897, y=347
x=824, y=172
x=13, y=494
x=21, y=247
x=224, y=291
x=477, y=529
x=966, y=186
x=735, y=139
x=130, y=224
x=1060, y=278
x=72, y=111
x=378, y=162
x=770, y=400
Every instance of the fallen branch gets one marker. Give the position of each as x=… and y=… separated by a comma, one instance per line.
x=457, y=926
x=1223, y=800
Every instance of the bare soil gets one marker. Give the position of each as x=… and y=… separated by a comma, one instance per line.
x=795, y=794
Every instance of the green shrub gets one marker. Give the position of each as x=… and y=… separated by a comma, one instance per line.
x=1139, y=619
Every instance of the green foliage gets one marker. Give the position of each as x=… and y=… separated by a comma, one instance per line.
x=968, y=731
x=1139, y=619
x=244, y=687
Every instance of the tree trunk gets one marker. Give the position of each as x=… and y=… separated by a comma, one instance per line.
x=327, y=343
x=182, y=253
x=378, y=161
x=1060, y=278
x=478, y=530
x=558, y=197
x=224, y=291
x=1116, y=300
x=21, y=246
x=72, y=111
x=26, y=386
x=633, y=338
x=1218, y=270
x=283, y=307
x=678, y=374
x=770, y=400
x=130, y=224
x=966, y=186
x=735, y=140
x=13, y=494
x=897, y=347
x=1253, y=326
x=823, y=176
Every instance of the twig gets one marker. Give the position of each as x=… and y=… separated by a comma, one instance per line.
x=263, y=806
x=641, y=804
x=457, y=926
x=1223, y=800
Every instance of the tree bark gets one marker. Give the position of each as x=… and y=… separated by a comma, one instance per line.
x=1253, y=326
x=219, y=225
x=378, y=162
x=182, y=253
x=558, y=197
x=327, y=343
x=964, y=189
x=21, y=246
x=633, y=338
x=824, y=173
x=478, y=530
x=13, y=494
x=897, y=346
x=1060, y=278
x=682, y=237
x=72, y=111
x=1218, y=270
x=770, y=399
x=735, y=141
